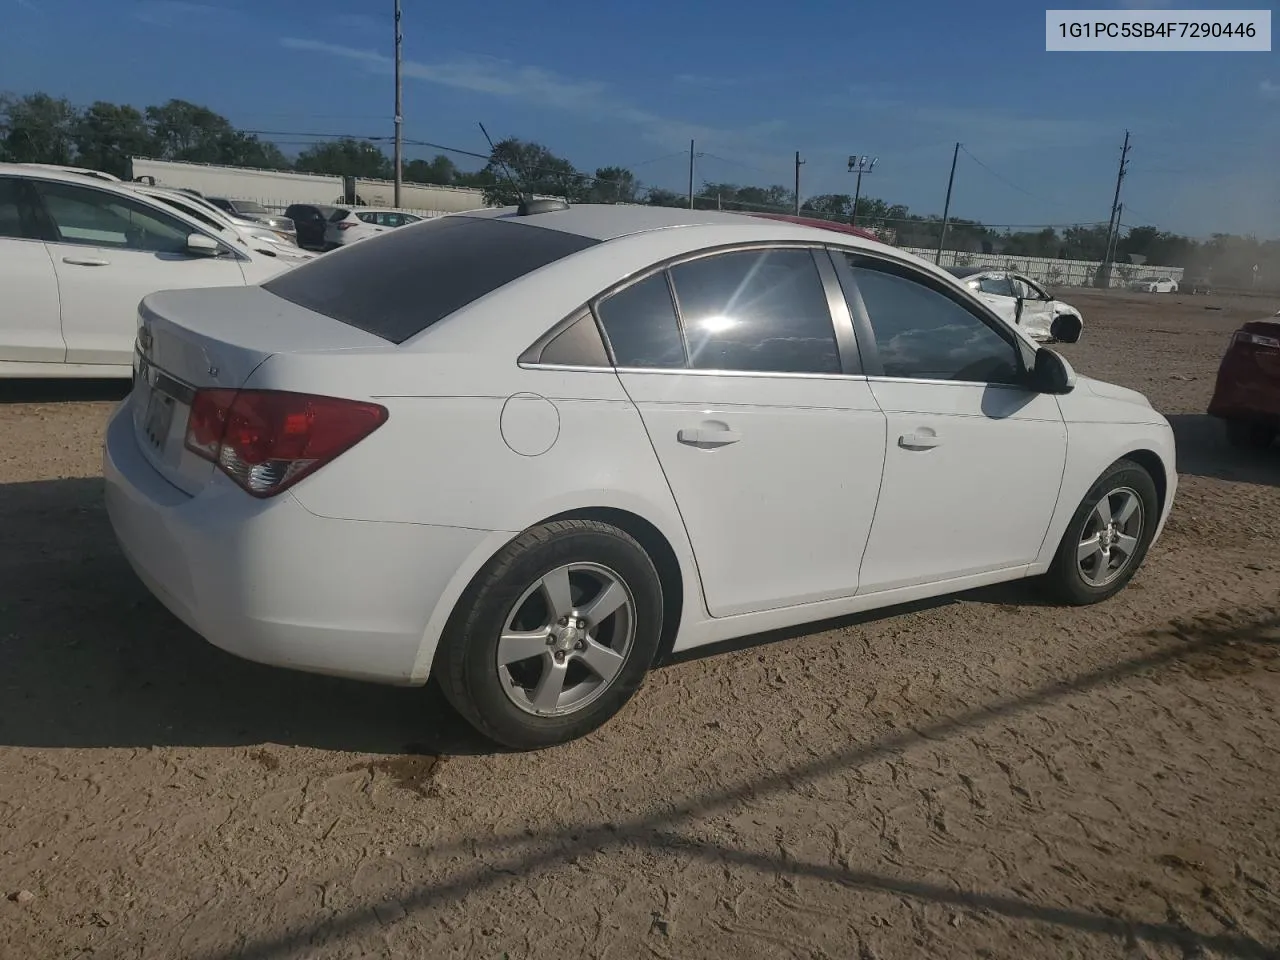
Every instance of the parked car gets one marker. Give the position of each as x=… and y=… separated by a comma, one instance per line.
x=309, y=220
x=1246, y=395
x=1158, y=285
x=529, y=452
x=819, y=222
x=346, y=225
x=78, y=253
x=1023, y=302
x=247, y=233
x=1195, y=285
x=254, y=211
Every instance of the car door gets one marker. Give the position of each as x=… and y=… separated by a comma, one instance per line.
x=309, y=224
x=1037, y=307
x=973, y=459
x=996, y=291
x=30, y=328
x=109, y=251
x=765, y=428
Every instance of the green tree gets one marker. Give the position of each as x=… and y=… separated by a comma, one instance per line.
x=37, y=128
x=107, y=134
x=439, y=169
x=535, y=169
x=187, y=131
x=346, y=157
x=613, y=185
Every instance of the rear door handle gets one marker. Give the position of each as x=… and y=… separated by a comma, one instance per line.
x=86, y=262
x=708, y=436
x=919, y=441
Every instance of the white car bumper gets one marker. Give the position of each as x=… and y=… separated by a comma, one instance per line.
x=269, y=581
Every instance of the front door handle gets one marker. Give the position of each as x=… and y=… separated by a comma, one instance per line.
x=86, y=262
x=919, y=441
x=708, y=436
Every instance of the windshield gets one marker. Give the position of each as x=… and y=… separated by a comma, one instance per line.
x=249, y=206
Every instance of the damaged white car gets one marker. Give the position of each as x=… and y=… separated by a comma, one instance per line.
x=1023, y=302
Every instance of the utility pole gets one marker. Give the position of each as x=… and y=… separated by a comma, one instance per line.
x=946, y=207
x=1113, y=225
x=859, y=165
x=399, y=116
x=799, y=164
x=690, y=174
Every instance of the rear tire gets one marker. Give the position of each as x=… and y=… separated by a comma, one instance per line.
x=1105, y=544
x=527, y=660
x=1245, y=435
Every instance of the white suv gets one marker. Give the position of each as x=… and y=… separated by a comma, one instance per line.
x=349, y=224
x=78, y=253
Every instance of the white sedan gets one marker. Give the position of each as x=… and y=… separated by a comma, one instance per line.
x=1160, y=285
x=78, y=253
x=346, y=225
x=1023, y=302
x=532, y=451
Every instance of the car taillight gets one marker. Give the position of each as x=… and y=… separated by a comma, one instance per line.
x=1256, y=339
x=345, y=226
x=268, y=440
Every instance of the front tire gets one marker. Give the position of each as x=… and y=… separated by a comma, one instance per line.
x=554, y=635
x=1107, y=538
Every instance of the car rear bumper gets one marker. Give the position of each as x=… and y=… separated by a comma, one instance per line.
x=269, y=581
x=1243, y=392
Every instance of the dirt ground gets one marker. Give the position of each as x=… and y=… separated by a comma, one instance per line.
x=984, y=776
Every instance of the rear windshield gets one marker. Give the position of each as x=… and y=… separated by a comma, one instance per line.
x=338, y=214
x=249, y=206
x=399, y=283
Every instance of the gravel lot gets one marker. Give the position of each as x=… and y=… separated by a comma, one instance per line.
x=983, y=776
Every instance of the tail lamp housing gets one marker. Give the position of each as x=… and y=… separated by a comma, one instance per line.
x=268, y=440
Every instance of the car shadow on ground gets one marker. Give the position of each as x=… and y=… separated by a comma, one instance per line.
x=88, y=658
x=64, y=391
x=1203, y=451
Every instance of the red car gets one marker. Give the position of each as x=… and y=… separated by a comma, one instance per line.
x=1247, y=394
x=817, y=222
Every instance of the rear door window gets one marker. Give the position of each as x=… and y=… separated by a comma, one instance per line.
x=641, y=324
x=410, y=279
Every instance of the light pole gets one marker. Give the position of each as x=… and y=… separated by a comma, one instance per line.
x=859, y=165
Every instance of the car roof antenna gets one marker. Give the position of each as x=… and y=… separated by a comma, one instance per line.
x=528, y=203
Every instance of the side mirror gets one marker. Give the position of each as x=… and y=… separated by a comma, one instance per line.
x=1065, y=328
x=202, y=246
x=1052, y=373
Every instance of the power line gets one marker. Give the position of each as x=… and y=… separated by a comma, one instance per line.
x=1005, y=180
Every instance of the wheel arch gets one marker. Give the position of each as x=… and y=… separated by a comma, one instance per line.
x=1150, y=461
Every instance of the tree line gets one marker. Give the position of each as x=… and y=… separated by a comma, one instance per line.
x=41, y=128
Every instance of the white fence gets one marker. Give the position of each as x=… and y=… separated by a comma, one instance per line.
x=1048, y=270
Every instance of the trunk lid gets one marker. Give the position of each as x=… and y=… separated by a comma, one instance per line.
x=1266, y=357
x=188, y=339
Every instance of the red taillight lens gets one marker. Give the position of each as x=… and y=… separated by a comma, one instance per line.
x=345, y=226
x=268, y=440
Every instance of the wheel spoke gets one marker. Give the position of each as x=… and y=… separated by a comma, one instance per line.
x=605, y=604
x=1088, y=548
x=1103, y=509
x=603, y=661
x=517, y=645
x=1126, y=544
x=556, y=587
x=1127, y=508
x=546, y=696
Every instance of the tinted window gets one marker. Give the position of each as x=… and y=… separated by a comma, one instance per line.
x=577, y=345
x=191, y=211
x=336, y=215
x=367, y=217
x=104, y=219
x=397, y=284
x=249, y=206
x=20, y=215
x=762, y=311
x=641, y=325
x=999, y=286
x=922, y=334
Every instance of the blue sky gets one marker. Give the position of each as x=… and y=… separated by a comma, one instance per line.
x=751, y=82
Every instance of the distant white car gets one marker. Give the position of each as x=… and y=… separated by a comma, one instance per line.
x=528, y=452
x=348, y=224
x=78, y=253
x=248, y=233
x=1162, y=285
x=1023, y=302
